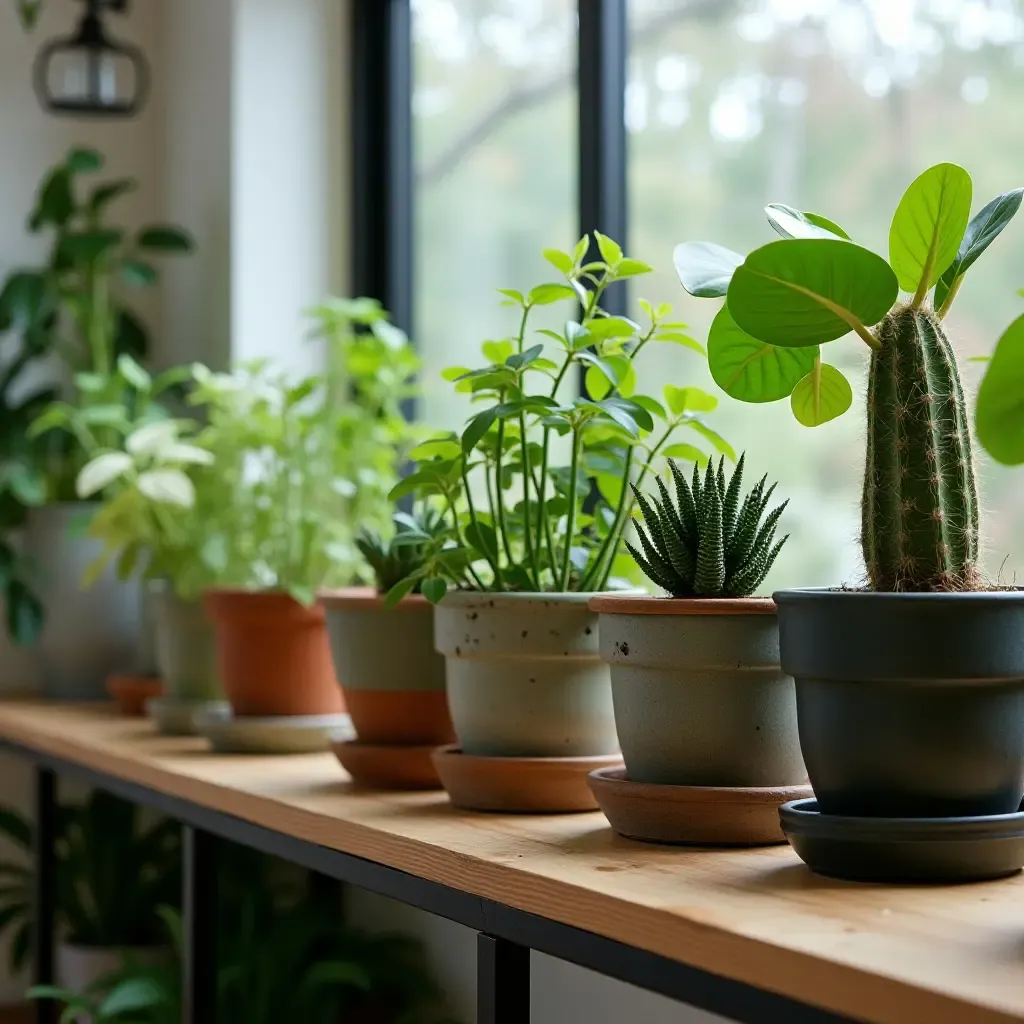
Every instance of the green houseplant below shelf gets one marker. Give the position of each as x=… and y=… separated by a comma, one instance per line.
x=530, y=539
x=298, y=468
x=910, y=692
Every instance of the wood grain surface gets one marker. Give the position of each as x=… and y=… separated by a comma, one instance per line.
x=885, y=954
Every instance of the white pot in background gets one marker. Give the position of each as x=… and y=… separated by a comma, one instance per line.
x=89, y=634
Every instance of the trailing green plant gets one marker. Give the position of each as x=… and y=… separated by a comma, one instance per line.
x=920, y=515
x=300, y=466
x=113, y=873
x=74, y=305
x=708, y=542
x=523, y=518
x=405, y=552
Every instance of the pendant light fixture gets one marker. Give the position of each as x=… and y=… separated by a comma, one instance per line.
x=90, y=74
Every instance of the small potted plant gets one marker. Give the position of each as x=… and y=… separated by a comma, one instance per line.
x=392, y=677
x=702, y=705
x=300, y=467
x=156, y=490
x=536, y=491
x=76, y=306
x=910, y=692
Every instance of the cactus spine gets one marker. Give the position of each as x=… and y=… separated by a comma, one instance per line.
x=919, y=524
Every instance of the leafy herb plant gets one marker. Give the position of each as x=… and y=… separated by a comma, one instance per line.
x=299, y=467
x=708, y=543
x=536, y=486
x=919, y=523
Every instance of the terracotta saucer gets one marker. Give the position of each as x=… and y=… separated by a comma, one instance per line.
x=522, y=785
x=699, y=815
x=132, y=692
x=377, y=766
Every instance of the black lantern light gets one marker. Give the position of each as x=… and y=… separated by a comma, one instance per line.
x=89, y=73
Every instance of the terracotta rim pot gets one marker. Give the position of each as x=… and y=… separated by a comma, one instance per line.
x=700, y=697
x=524, y=675
x=273, y=654
x=384, y=658
x=909, y=705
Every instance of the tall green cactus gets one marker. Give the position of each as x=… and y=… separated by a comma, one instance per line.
x=919, y=527
x=785, y=300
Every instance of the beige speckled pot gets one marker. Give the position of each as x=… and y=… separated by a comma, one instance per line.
x=524, y=676
x=700, y=697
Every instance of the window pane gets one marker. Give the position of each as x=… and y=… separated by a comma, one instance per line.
x=495, y=114
x=832, y=106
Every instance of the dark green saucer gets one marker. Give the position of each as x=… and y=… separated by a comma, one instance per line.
x=929, y=850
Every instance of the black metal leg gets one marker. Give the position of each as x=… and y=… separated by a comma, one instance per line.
x=199, y=957
x=502, y=981
x=45, y=894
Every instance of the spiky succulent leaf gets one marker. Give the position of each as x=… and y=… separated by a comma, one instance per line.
x=708, y=542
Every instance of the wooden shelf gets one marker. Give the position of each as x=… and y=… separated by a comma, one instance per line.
x=891, y=955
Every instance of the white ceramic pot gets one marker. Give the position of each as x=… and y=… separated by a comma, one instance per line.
x=89, y=634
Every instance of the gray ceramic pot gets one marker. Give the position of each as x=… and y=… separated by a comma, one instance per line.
x=909, y=705
x=700, y=697
x=384, y=658
x=186, y=646
x=524, y=676
x=89, y=634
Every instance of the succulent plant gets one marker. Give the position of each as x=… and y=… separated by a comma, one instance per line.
x=786, y=300
x=709, y=543
x=394, y=558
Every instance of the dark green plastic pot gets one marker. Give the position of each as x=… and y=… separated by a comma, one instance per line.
x=908, y=705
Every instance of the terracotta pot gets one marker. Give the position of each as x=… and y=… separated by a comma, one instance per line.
x=524, y=675
x=700, y=697
x=392, y=677
x=273, y=654
x=132, y=693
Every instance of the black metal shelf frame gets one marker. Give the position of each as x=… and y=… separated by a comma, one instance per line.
x=507, y=935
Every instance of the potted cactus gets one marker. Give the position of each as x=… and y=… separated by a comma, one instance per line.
x=700, y=697
x=910, y=690
x=392, y=677
x=536, y=491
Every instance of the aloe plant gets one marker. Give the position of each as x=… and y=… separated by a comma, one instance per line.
x=786, y=299
x=708, y=543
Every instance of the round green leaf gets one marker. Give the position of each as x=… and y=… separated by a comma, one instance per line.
x=680, y=400
x=791, y=223
x=805, y=291
x=684, y=451
x=821, y=396
x=434, y=588
x=928, y=225
x=999, y=416
x=705, y=268
x=165, y=238
x=748, y=369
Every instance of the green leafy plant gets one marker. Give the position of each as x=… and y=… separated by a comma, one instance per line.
x=406, y=551
x=74, y=304
x=521, y=519
x=300, y=467
x=786, y=299
x=998, y=416
x=709, y=543
x=112, y=875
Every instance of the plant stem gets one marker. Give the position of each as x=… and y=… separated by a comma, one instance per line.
x=495, y=565
x=950, y=296
x=544, y=521
x=498, y=491
x=458, y=532
x=597, y=569
x=531, y=555
x=570, y=524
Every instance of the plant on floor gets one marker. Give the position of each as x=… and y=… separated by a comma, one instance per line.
x=405, y=551
x=73, y=305
x=521, y=519
x=708, y=543
x=920, y=510
x=112, y=874
x=301, y=466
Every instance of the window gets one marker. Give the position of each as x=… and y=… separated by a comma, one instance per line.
x=829, y=105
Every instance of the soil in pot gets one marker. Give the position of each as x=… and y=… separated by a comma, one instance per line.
x=392, y=677
x=909, y=705
x=186, y=646
x=273, y=654
x=524, y=676
x=700, y=697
